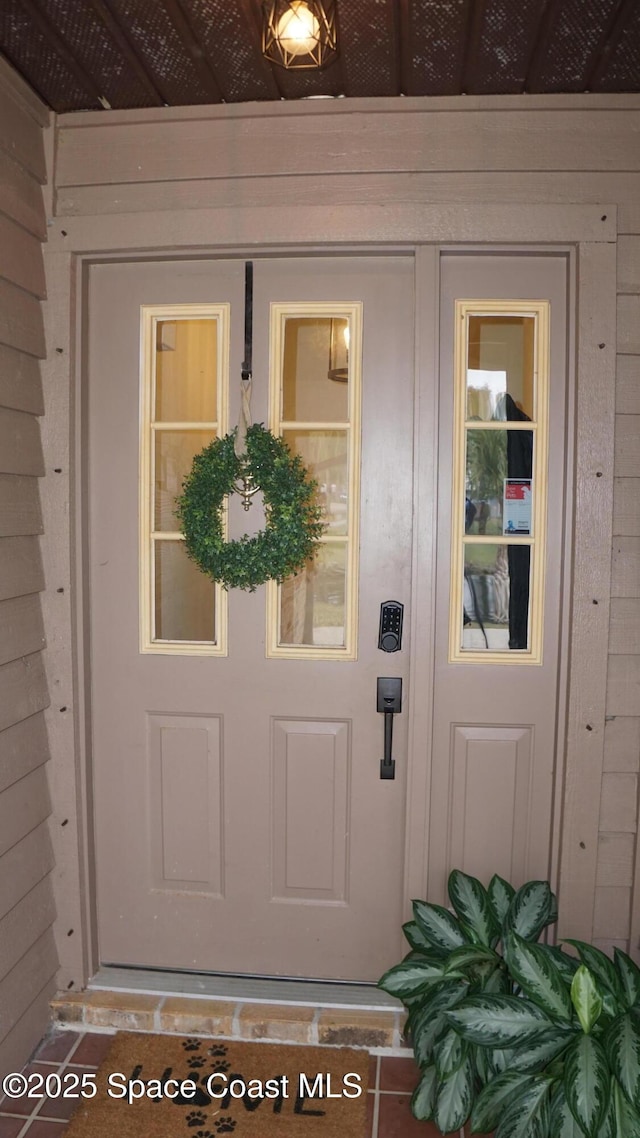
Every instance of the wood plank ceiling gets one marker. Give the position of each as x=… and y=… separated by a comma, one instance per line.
x=87, y=54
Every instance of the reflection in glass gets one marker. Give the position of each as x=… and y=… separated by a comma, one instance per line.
x=312, y=604
x=500, y=364
x=496, y=597
x=325, y=454
x=313, y=346
x=186, y=371
x=174, y=455
x=485, y=475
x=340, y=337
x=184, y=603
x=498, y=481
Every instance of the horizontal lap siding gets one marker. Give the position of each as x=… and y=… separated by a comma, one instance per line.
x=458, y=152
x=27, y=951
x=345, y=142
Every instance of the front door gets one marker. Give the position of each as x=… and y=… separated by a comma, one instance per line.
x=241, y=821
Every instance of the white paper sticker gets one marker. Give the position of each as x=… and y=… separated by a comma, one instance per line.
x=516, y=515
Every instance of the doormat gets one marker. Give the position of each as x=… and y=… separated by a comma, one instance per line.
x=167, y=1086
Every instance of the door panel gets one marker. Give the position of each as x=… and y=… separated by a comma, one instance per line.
x=241, y=824
x=495, y=721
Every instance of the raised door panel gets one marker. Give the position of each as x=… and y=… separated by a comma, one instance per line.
x=310, y=811
x=490, y=800
x=186, y=802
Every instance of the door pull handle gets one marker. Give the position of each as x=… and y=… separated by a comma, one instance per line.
x=389, y=694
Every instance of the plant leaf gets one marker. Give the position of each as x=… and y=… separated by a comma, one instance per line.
x=531, y=910
x=424, y=1097
x=417, y=939
x=586, y=1083
x=498, y=981
x=471, y=902
x=428, y=1023
x=600, y=966
x=565, y=963
x=470, y=954
x=453, y=1101
x=627, y=1119
x=586, y=998
x=410, y=977
x=521, y=1116
x=450, y=1053
x=563, y=1124
x=438, y=926
x=622, y=1047
x=536, y=1056
x=629, y=976
x=498, y=1021
x=483, y=1067
x=538, y=976
x=494, y=1098
x=608, y=1127
x=501, y=894
x=498, y=1060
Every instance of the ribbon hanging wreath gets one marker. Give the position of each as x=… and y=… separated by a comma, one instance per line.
x=293, y=517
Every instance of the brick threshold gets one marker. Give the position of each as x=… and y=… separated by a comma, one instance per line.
x=376, y=1029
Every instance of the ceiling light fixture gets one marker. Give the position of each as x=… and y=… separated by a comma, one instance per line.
x=300, y=34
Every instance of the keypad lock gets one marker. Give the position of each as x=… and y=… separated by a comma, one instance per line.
x=390, y=633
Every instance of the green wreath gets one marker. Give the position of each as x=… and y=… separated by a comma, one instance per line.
x=293, y=518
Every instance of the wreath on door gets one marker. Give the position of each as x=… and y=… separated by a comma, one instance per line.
x=293, y=516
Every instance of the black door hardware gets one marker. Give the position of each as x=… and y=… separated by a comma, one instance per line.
x=390, y=634
x=390, y=703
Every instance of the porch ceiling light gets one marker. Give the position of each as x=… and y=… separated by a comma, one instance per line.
x=299, y=34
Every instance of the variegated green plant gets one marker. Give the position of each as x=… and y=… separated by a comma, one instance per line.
x=511, y=1035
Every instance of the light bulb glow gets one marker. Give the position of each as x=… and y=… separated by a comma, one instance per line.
x=298, y=29
x=299, y=34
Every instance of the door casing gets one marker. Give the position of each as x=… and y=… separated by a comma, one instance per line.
x=72, y=793
x=421, y=641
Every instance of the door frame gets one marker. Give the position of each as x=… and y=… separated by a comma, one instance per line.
x=588, y=233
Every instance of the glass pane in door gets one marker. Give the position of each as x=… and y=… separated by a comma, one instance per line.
x=184, y=380
x=315, y=406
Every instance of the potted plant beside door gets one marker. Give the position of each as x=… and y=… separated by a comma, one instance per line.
x=511, y=1035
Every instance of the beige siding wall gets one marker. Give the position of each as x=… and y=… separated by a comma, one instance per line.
x=121, y=177
x=27, y=953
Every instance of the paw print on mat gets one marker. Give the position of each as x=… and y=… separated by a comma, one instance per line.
x=217, y=1049
x=195, y=1118
x=196, y=1061
x=192, y=1044
x=221, y=1067
x=225, y=1125
x=205, y=1134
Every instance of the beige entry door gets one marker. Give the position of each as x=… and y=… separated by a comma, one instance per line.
x=241, y=824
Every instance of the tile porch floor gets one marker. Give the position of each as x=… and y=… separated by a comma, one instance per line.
x=392, y=1080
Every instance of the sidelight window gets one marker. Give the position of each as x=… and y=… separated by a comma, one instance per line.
x=499, y=481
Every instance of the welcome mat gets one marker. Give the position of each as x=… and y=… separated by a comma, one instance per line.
x=166, y=1086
